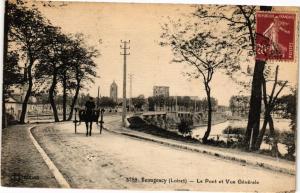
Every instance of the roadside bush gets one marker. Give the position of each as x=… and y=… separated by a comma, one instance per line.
x=218, y=143
x=234, y=130
x=235, y=141
x=238, y=143
x=136, y=122
x=267, y=152
x=267, y=139
x=277, y=133
x=288, y=138
x=185, y=126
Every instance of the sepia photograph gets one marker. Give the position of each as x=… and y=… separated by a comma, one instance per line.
x=149, y=96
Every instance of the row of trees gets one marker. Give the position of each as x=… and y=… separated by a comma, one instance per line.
x=185, y=102
x=231, y=50
x=42, y=59
x=139, y=102
x=108, y=102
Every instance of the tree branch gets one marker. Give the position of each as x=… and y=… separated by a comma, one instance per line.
x=274, y=85
x=219, y=17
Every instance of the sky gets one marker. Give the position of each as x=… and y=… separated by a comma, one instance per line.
x=150, y=64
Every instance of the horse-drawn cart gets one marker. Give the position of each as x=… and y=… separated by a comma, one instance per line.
x=89, y=117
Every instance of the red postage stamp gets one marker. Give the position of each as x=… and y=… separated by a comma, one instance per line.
x=275, y=36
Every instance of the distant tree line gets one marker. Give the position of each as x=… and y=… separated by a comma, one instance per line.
x=39, y=57
x=140, y=102
x=184, y=102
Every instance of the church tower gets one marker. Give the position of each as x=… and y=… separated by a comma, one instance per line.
x=114, y=91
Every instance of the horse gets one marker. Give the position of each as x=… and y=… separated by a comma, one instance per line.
x=89, y=117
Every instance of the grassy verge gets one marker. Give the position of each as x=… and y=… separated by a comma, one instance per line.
x=138, y=124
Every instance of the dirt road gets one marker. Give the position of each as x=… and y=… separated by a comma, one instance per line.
x=112, y=161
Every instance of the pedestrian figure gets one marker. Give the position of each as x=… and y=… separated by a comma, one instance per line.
x=89, y=115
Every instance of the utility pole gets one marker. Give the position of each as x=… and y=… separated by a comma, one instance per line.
x=124, y=46
x=130, y=91
x=98, y=97
x=176, y=107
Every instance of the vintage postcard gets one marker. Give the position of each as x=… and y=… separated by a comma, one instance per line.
x=149, y=96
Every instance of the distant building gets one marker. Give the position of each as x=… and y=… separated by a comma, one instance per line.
x=161, y=91
x=194, y=98
x=114, y=91
x=13, y=106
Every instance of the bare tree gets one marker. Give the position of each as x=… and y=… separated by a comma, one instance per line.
x=203, y=51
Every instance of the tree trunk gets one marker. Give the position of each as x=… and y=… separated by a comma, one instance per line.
x=51, y=98
x=64, y=97
x=255, y=103
x=262, y=132
x=275, y=152
x=74, y=100
x=209, y=116
x=4, y=123
x=28, y=93
x=266, y=114
x=5, y=51
x=255, y=100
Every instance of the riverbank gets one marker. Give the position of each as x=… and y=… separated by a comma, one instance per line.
x=217, y=137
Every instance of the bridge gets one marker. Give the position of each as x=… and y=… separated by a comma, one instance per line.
x=160, y=117
x=163, y=114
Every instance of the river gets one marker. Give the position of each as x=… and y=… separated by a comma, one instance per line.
x=217, y=129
